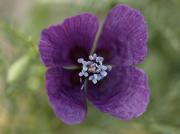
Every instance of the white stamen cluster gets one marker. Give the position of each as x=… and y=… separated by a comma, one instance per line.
x=94, y=68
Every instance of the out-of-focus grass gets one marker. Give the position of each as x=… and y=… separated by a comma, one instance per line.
x=23, y=103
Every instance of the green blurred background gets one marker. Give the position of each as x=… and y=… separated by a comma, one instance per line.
x=24, y=107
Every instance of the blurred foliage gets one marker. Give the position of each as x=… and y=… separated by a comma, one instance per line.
x=24, y=106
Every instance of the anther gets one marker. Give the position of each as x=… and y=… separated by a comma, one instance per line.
x=94, y=68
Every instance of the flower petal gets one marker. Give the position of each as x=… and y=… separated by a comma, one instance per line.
x=124, y=34
x=124, y=94
x=64, y=43
x=65, y=96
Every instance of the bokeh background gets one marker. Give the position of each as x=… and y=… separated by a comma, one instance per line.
x=24, y=107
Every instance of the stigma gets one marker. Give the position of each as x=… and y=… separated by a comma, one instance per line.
x=93, y=69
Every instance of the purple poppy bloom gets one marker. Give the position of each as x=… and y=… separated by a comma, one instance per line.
x=104, y=73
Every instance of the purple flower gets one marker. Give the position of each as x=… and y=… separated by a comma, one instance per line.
x=104, y=73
